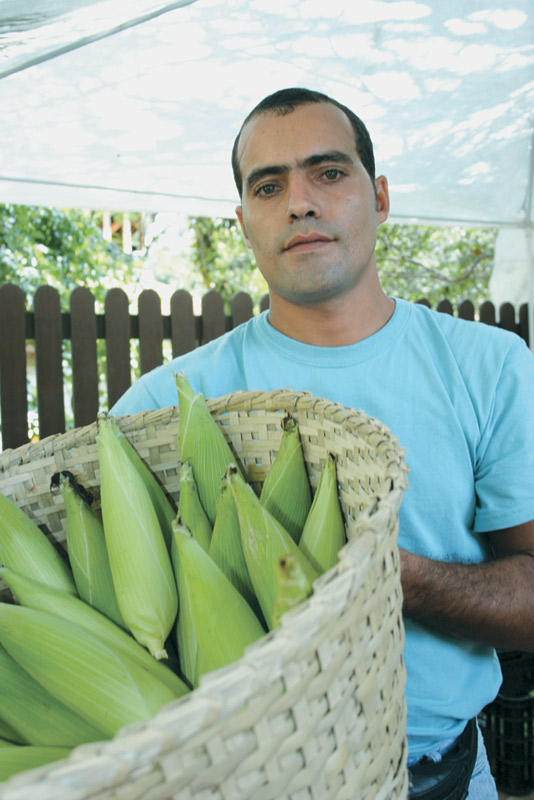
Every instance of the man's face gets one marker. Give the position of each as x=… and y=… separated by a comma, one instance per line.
x=309, y=210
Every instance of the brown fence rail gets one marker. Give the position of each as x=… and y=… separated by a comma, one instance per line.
x=47, y=332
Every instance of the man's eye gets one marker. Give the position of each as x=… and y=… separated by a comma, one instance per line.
x=266, y=189
x=332, y=173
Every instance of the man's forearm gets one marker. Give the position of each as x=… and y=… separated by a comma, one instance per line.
x=490, y=603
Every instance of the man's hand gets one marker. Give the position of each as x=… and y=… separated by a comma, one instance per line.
x=490, y=603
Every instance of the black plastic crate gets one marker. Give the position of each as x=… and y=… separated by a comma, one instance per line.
x=508, y=725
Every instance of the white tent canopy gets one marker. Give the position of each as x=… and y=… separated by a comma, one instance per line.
x=134, y=105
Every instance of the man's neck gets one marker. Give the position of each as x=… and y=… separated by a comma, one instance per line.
x=334, y=323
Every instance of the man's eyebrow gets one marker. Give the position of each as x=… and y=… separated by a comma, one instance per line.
x=262, y=172
x=332, y=156
x=335, y=156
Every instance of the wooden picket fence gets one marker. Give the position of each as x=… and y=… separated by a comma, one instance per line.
x=48, y=331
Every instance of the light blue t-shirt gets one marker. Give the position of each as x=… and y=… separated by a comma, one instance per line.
x=459, y=396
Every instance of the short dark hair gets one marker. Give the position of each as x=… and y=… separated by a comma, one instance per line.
x=284, y=102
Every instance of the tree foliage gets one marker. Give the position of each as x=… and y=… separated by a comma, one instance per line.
x=452, y=263
x=61, y=248
x=222, y=259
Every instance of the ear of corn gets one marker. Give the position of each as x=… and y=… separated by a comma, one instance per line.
x=140, y=562
x=35, y=595
x=293, y=586
x=186, y=639
x=37, y=716
x=106, y=689
x=8, y=734
x=191, y=511
x=163, y=506
x=87, y=553
x=324, y=532
x=264, y=542
x=226, y=548
x=286, y=491
x=172, y=662
x=202, y=443
x=223, y=622
x=18, y=758
x=25, y=548
x=190, y=508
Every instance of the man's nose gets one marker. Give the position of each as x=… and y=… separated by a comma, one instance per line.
x=301, y=198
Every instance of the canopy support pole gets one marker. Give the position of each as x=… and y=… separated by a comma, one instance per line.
x=529, y=241
x=529, y=237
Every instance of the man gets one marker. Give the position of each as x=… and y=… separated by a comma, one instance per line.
x=459, y=396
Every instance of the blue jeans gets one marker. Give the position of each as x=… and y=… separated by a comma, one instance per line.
x=482, y=785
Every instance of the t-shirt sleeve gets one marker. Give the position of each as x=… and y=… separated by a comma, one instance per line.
x=137, y=398
x=504, y=472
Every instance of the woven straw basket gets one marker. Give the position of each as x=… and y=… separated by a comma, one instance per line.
x=313, y=710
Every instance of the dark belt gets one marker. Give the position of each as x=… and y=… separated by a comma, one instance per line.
x=449, y=778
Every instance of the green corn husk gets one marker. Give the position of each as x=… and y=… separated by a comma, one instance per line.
x=26, y=549
x=186, y=640
x=106, y=689
x=163, y=506
x=264, y=542
x=286, y=492
x=8, y=734
x=17, y=758
x=324, y=532
x=88, y=556
x=37, y=715
x=223, y=622
x=138, y=556
x=226, y=548
x=190, y=508
x=34, y=595
x=191, y=512
x=293, y=586
x=202, y=443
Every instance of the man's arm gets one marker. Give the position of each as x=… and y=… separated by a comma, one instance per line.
x=490, y=603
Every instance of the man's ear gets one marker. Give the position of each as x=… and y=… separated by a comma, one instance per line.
x=239, y=212
x=382, y=198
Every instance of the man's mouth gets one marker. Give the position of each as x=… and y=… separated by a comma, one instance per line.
x=303, y=243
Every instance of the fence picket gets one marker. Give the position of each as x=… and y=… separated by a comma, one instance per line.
x=183, y=325
x=150, y=330
x=523, y=326
x=466, y=310
x=213, y=319
x=48, y=361
x=84, y=357
x=241, y=305
x=117, y=334
x=445, y=306
x=487, y=313
x=13, y=396
x=507, y=317
x=118, y=327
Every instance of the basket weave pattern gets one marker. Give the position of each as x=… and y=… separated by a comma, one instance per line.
x=314, y=710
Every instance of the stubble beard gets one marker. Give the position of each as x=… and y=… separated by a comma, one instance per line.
x=315, y=285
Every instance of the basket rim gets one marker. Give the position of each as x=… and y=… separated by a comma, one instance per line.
x=283, y=400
